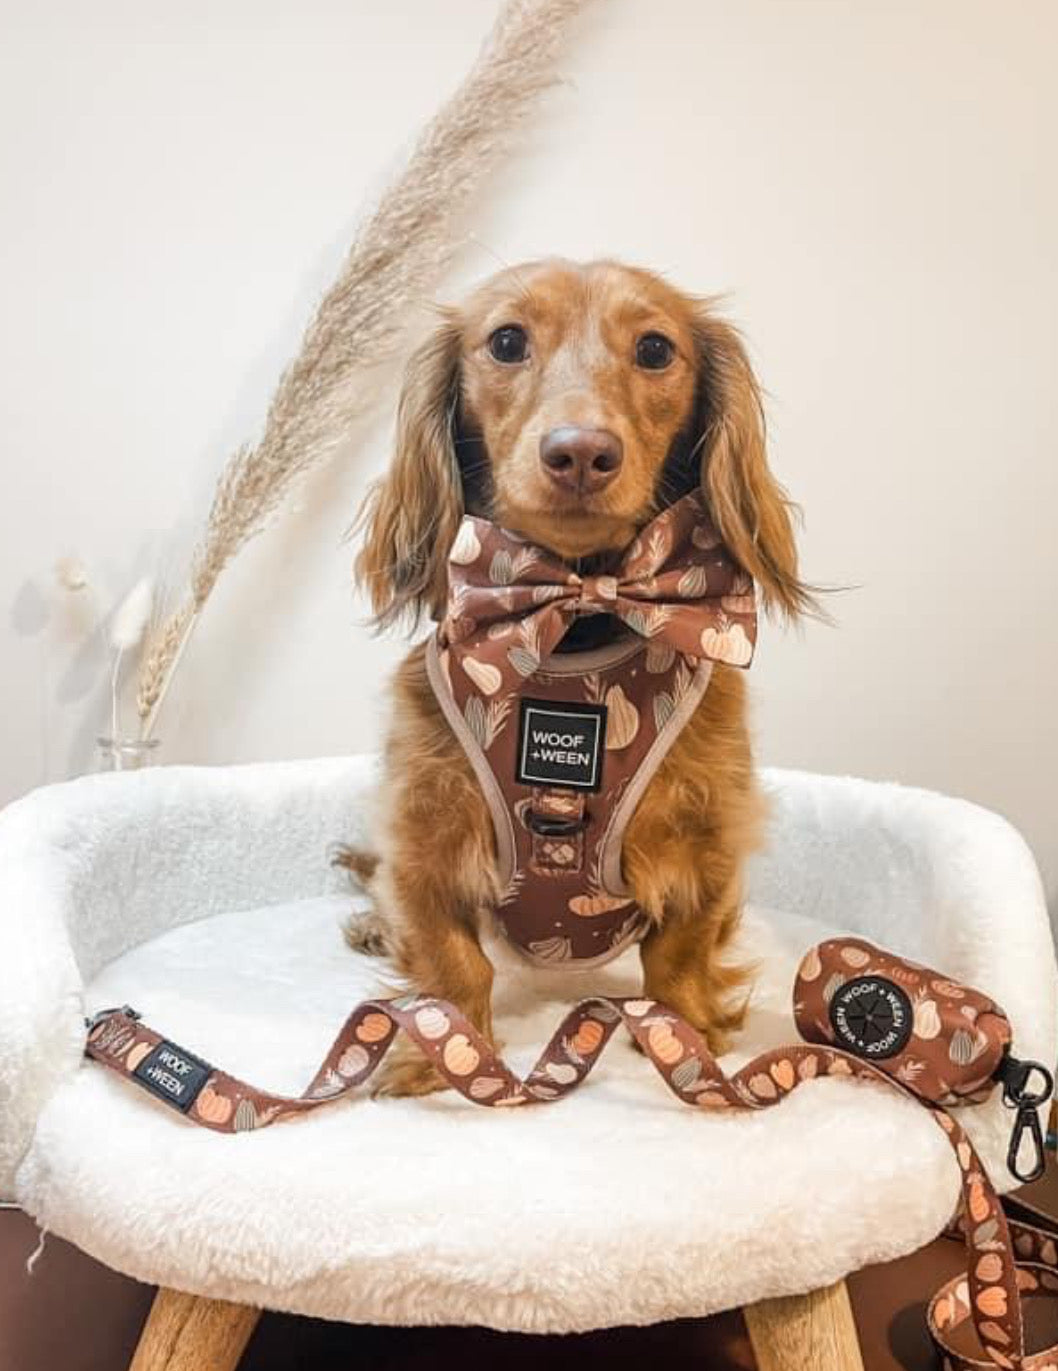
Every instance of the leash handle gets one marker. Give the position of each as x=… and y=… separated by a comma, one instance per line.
x=989, y=1293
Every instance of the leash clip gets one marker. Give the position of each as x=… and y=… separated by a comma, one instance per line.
x=1016, y=1078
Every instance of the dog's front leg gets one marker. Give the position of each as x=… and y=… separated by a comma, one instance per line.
x=692, y=889
x=684, y=968
x=434, y=916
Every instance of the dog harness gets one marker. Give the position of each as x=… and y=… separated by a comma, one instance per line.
x=565, y=744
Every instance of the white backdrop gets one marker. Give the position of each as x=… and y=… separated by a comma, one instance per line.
x=872, y=183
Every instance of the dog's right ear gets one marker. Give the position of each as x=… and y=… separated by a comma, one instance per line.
x=411, y=516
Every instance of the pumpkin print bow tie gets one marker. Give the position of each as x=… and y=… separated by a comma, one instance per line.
x=510, y=603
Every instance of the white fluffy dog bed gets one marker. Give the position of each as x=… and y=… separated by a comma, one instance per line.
x=204, y=898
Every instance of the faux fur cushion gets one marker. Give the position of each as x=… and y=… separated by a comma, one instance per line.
x=618, y=1205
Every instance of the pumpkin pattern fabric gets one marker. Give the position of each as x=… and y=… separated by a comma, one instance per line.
x=683, y=604
x=988, y=1294
x=957, y=1036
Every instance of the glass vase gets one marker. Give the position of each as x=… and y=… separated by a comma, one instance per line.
x=125, y=754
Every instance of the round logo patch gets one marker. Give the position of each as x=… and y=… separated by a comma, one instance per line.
x=872, y=1017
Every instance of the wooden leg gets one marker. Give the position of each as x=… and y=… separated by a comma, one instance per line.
x=801, y=1331
x=191, y=1333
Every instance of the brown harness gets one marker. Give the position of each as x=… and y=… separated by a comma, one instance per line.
x=564, y=744
x=864, y=1013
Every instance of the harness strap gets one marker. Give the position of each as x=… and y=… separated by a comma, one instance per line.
x=988, y=1293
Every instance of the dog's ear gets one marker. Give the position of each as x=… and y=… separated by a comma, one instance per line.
x=411, y=516
x=752, y=511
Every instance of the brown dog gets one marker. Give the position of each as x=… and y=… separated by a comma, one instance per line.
x=569, y=403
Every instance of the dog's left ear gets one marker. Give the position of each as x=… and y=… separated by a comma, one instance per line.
x=411, y=515
x=752, y=511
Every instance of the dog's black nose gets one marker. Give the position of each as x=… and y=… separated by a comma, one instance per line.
x=581, y=459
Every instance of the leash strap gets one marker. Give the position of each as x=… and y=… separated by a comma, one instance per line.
x=988, y=1293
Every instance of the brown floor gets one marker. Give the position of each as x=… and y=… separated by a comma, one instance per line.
x=74, y=1315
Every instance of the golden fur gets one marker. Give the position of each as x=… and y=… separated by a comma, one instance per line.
x=468, y=437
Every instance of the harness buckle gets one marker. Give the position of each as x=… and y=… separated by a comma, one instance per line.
x=554, y=825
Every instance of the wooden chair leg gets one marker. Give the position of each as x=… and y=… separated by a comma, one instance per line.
x=192, y=1333
x=801, y=1331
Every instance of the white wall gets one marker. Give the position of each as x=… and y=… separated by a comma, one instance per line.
x=872, y=183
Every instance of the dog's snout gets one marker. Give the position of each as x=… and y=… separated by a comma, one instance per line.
x=583, y=459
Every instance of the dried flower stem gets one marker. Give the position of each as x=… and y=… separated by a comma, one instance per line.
x=396, y=258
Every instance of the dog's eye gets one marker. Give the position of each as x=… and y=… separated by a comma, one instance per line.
x=509, y=344
x=654, y=352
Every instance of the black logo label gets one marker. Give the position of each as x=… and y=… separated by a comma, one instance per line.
x=561, y=744
x=872, y=1017
x=174, y=1075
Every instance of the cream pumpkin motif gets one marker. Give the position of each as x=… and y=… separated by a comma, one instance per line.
x=738, y=604
x=353, y=1060
x=926, y=1020
x=432, y=1022
x=729, y=645
x=485, y=676
x=622, y=722
x=466, y=548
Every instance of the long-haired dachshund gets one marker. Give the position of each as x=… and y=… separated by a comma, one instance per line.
x=570, y=404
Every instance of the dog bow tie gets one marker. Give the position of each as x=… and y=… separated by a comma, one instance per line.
x=510, y=603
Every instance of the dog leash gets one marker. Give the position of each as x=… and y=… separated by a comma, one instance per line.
x=989, y=1293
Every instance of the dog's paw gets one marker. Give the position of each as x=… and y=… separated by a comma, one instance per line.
x=367, y=933
x=406, y=1073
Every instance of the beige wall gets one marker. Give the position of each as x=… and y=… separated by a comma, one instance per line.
x=871, y=182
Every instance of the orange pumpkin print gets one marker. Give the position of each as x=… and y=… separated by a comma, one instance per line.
x=992, y=1300
x=212, y=1107
x=664, y=1044
x=979, y=1206
x=990, y=1268
x=782, y=1073
x=374, y=1028
x=136, y=1055
x=712, y=1099
x=807, y=1068
x=587, y=1037
x=461, y=1057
